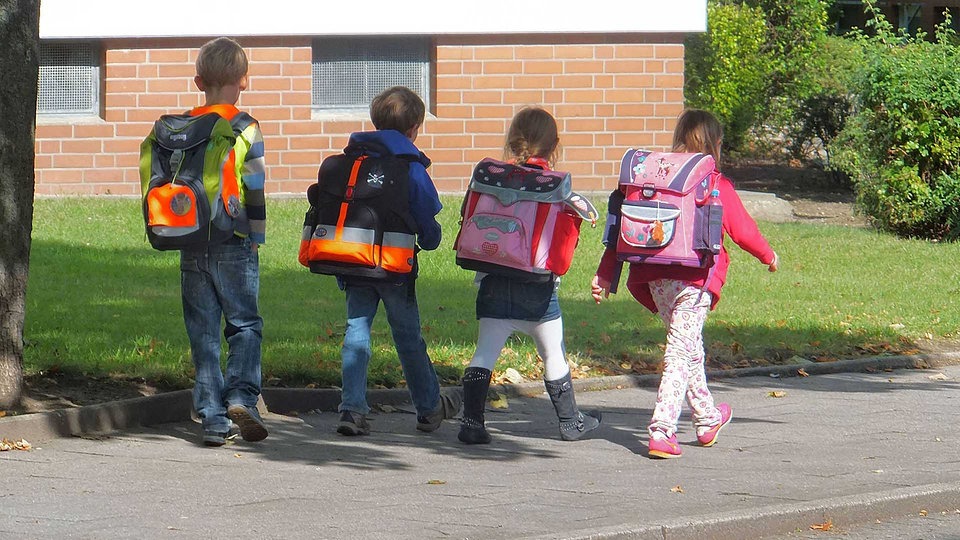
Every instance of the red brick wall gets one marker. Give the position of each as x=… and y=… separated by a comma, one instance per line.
x=607, y=92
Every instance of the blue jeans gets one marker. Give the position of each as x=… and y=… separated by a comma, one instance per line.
x=222, y=281
x=400, y=302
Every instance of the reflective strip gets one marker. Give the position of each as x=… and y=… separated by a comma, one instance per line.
x=355, y=235
x=307, y=233
x=400, y=240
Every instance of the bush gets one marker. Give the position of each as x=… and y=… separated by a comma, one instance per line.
x=726, y=67
x=902, y=149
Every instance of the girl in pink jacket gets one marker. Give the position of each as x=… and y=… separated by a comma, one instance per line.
x=683, y=296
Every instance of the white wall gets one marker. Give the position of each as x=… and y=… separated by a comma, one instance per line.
x=86, y=19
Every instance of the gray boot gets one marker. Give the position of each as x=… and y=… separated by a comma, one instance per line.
x=574, y=424
x=476, y=382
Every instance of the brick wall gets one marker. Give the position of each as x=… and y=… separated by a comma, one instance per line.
x=607, y=92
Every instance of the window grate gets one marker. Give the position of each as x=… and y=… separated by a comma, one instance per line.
x=349, y=72
x=69, y=76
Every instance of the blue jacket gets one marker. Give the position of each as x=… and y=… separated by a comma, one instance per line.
x=424, y=201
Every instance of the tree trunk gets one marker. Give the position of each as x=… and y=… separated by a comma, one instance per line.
x=19, y=64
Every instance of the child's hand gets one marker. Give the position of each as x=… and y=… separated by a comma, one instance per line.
x=599, y=288
x=775, y=263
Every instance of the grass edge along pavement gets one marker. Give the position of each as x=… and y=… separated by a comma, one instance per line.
x=176, y=406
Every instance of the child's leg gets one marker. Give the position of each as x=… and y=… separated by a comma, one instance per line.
x=237, y=278
x=548, y=336
x=493, y=333
x=362, y=303
x=549, y=339
x=684, y=309
x=403, y=314
x=492, y=336
x=201, y=316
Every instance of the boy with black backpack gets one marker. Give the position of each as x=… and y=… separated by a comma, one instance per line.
x=202, y=175
x=370, y=209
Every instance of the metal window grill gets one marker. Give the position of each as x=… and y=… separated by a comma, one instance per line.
x=69, y=76
x=349, y=72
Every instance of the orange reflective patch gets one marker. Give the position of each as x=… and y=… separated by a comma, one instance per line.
x=171, y=205
x=342, y=252
x=396, y=259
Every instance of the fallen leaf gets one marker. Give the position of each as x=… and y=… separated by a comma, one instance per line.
x=499, y=401
x=6, y=445
x=776, y=394
x=387, y=408
x=3, y=413
x=676, y=489
x=825, y=526
x=923, y=513
x=513, y=376
x=436, y=482
x=938, y=377
x=237, y=456
x=802, y=373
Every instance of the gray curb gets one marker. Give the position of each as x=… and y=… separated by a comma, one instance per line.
x=782, y=519
x=177, y=406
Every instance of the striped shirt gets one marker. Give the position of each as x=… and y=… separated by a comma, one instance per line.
x=251, y=169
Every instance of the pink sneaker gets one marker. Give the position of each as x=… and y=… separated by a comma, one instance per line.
x=709, y=437
x=662, y=446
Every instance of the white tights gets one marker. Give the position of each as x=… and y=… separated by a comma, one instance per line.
x=548, y=337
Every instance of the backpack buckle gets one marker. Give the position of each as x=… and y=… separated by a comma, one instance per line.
x=648, y=191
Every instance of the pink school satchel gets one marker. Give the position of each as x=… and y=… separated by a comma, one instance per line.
x=670, y=212
x=521, y=222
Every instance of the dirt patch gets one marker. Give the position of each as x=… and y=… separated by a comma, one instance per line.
x=816, y=195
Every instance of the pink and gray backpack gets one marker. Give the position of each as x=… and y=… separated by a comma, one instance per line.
x=519, y=221
x=667, y=209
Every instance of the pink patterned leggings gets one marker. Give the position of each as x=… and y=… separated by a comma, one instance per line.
x=683, y=308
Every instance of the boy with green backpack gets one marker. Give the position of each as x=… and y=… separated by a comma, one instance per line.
x=202, y=175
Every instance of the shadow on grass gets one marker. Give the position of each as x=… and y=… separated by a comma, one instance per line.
x=97, y=311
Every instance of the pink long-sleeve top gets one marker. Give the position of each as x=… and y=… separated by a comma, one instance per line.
x=737, y=224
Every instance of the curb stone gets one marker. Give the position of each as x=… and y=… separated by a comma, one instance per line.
x=177, y=406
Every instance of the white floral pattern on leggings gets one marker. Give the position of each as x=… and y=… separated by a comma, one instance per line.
x=683, y=308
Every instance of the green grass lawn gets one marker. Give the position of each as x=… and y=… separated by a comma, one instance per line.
x=101, y=302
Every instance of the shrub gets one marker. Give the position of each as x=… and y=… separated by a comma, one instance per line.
x=726, y=68
x=902, y=149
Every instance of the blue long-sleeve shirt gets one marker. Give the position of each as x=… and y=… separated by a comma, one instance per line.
x=424, y=200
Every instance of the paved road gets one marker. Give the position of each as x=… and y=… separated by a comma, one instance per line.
x=848, y=447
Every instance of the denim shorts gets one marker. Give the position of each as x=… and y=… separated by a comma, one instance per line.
x=503, y=298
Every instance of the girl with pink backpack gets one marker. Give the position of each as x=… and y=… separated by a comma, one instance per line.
x=507, y=303
x=682, y=296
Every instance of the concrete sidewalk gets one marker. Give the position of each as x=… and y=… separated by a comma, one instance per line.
x=843, y=447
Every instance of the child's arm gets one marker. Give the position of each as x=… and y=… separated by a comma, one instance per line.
x=424, y=206
x=606, y=273
x=742, y=229
x=253, y=176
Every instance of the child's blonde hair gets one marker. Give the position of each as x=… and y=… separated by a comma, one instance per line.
x=221, y=62
x=698, y=131
x=398, y=108
x=532, y=133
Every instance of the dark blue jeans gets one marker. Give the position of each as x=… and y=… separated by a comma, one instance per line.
x=403, y=314
x=222, y=281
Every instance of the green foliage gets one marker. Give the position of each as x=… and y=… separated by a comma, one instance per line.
x=726, y=68
x=902, y=151
x=753, y=67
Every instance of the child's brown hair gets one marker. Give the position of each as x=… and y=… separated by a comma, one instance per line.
x=397, y=108
x=221, y=62
x=532, y=133
x=698, y=131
